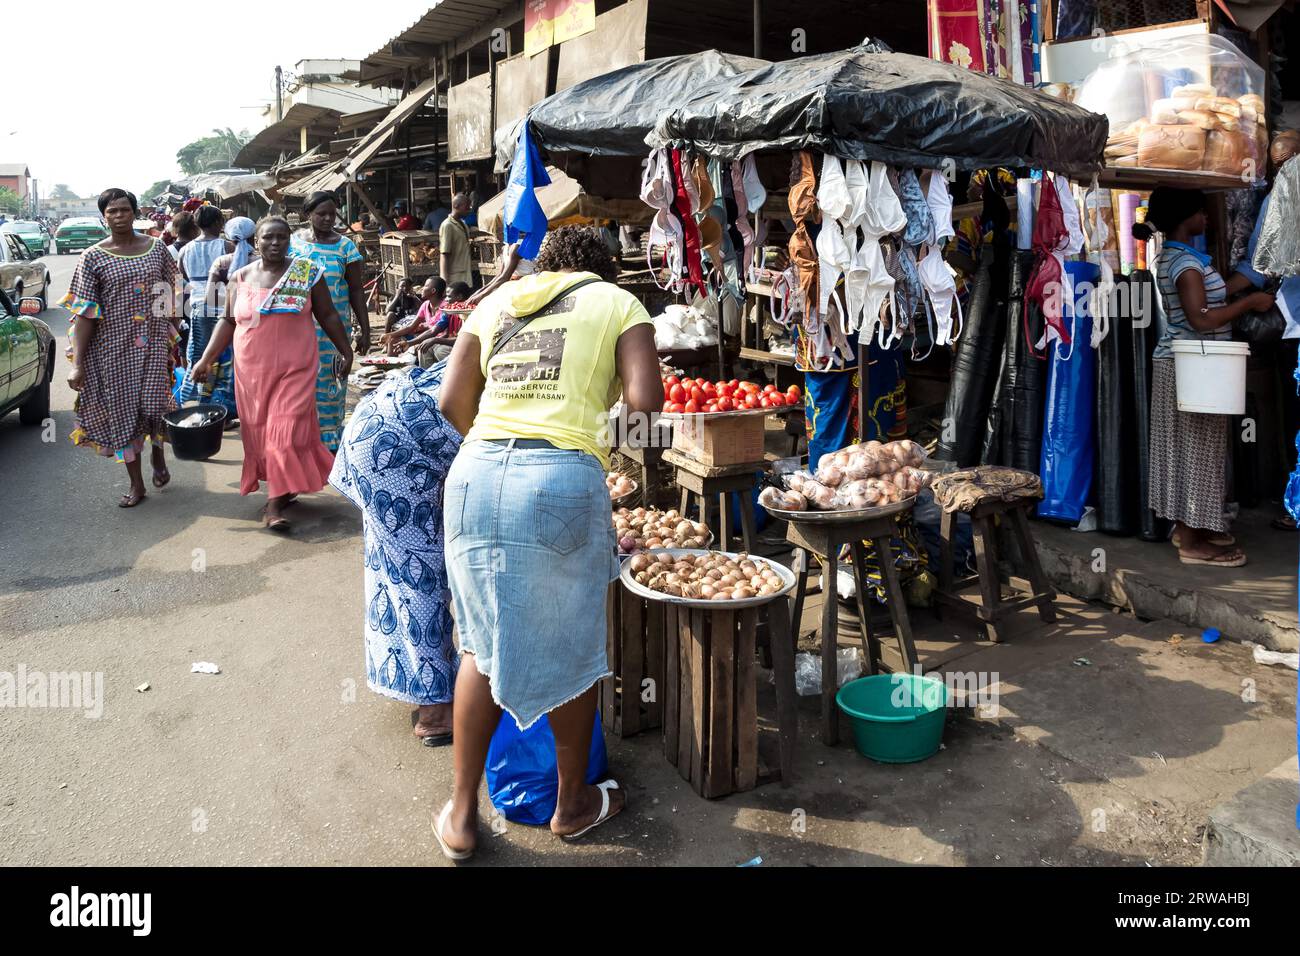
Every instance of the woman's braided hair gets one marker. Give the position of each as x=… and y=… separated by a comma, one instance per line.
x=577, y=249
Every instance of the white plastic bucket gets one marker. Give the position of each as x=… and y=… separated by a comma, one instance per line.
x=1210, y=376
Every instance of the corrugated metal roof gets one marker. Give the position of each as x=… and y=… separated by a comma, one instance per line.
x=445, y=21
x=284, y=136
x=334, y=175
x=14, y=169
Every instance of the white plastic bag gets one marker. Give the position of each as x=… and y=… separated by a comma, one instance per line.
x=808, y=670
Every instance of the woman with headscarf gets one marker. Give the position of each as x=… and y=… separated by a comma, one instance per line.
x=396, y=452
x=1188, y=449
x=273, y=307
x=340, y=261
x=202, y=311
x=124, y=326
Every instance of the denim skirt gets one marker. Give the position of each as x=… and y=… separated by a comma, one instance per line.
x=530, y=551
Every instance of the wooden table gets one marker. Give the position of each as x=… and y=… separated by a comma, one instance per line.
x=825, y=541
x=710, y=701
x=707, y=483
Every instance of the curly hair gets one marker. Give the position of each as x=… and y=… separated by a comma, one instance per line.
x=577, y=249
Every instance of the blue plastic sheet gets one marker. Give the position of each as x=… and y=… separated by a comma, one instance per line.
x=523, y=215
x=1069, y=430
x=522, y=777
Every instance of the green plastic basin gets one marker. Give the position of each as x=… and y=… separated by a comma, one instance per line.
x=896, y=718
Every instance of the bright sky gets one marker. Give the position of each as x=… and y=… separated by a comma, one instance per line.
x=103, y=94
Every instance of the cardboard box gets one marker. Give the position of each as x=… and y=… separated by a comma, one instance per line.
x=720, y=441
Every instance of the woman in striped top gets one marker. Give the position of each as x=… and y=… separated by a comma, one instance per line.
x=1189, y=450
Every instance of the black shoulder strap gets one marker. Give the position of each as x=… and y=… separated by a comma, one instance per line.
x=522, y=320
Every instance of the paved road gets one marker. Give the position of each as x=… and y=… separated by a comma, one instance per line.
x=286, y=757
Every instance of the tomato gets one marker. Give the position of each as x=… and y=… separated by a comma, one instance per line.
x=776, y=399
x=668, y=392
x=710, y=390
x=672, y=380
x=725, y=404
x=734, y=383
x=711, y=407
x=725, y=390
x=769, y=388
x=697, y=394
x=749, y=387
x=692, y=407
x=677, y=394
x=765, y=402
x=667, y=406
x=751, y=400
x=793, y=394
x=676, y=408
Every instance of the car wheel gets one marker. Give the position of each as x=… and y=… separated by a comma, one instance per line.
x=36, y=409
x=45, y=292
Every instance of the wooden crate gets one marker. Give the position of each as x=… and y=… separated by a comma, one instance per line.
x=718, y=441
x=710, y=707
x=395, y=253
x=632, y=700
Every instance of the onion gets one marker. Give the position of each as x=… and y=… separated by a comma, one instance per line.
x=627, y=544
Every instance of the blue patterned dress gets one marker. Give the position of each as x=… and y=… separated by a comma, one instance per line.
x=331, y=394
x=395, y=454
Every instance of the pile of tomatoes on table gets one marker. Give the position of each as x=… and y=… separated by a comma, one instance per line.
x=692, y=396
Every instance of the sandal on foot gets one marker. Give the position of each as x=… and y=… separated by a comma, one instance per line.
x=604, y=816
x=1284, y=524
x=161, y=477
x=131, y=499
x=438, y=823
x=1220, y=560
x=436, y=740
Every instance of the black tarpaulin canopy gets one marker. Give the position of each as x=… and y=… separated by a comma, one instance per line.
x=868, y=103
x=611, y=114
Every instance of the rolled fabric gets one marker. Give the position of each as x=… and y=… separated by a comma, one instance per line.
x=1024, y=213
x=974, y=370
x=1127, y=215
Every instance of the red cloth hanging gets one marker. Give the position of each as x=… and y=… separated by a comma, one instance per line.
x=1045, y=287
x=690, y=229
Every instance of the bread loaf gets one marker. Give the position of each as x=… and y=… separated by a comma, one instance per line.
x=1171, y=147
x=1194, y=90
x=1227, y=152
x=1202, y=118
x=1218, y=104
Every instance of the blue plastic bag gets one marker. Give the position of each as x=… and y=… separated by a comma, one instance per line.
x=522, y=777
x=1069, y=423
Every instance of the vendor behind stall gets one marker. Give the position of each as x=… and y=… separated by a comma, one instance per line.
x=1189, y=450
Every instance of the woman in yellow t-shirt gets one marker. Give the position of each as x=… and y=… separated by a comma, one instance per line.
x=529, y=542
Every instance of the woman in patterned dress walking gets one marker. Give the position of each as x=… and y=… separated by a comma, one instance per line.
x=340, y=260
x=124, y=328
x=273, y=307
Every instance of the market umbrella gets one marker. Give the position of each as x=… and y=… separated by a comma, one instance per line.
x=869, y=103
x=611, y=114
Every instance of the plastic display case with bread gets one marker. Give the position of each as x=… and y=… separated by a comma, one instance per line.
x=1193, y=104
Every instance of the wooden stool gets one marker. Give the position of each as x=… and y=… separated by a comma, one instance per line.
x=710, y=712
x=632, y=699
x=825, y=541
x=709, y=483
x=993, y=608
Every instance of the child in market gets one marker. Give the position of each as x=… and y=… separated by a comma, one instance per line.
x=435, y=342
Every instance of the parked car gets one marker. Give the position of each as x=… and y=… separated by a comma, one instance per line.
x=26, y=361
x=21, y=272
x=78, y=233
x=31, y=232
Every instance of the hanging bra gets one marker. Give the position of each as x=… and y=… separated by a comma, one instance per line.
x=833, y=193
x=941, y=288
x=657, y=180
x=920, y=221
x=939, y=201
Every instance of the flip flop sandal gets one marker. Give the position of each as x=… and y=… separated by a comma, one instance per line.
x=1220, y=539
x=129, y=500
x=1283, y=524
x=604, y=816
x=278, y=525
x=161, y=478
x=1218, y=561
x=438, y=823
x=437, y=740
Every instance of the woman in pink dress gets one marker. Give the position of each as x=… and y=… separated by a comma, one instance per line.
x=277, y=302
